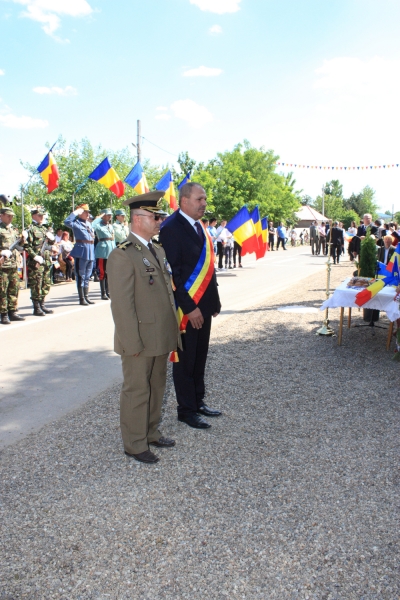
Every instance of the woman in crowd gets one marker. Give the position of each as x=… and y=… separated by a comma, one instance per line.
x=65, y=248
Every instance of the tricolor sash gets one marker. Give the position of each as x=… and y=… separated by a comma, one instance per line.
x=197, y=283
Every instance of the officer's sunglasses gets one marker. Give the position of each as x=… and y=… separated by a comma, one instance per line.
x=155, y=217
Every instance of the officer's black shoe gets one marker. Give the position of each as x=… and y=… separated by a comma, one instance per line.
x=194, y=421
x=37, y=311
x=103, y=290
x=47, y=311
x=14, y=316
x=86, y=296
x=82, y=299
x=209, y=412
x=5, y=319
x=107, y=290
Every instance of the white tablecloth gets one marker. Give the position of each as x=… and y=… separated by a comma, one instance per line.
x=384, y=300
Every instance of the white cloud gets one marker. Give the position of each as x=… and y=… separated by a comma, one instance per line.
x=191, y=112
x=353, y=75
x=67, y=91
x=14, y=122
x=202, y=72
x=215, y=29
x=2, y=72
x=48, y=12
x=217, y=6
x=163, y=117
x=161, y=108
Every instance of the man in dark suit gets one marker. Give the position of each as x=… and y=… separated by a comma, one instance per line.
x=337, y=241
x=182, y=238
x=367, y=226
x=386, y=251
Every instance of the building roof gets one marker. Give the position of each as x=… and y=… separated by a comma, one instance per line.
x=306, y=213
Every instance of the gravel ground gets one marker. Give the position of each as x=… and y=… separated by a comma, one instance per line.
x=291, y=494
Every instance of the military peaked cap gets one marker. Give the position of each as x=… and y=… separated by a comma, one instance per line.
x=106, y=211
x=150, y=201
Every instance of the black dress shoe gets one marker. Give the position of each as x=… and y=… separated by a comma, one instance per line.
x=163, y=442
x=209, y=412
x=146, y=457
x=194, y=421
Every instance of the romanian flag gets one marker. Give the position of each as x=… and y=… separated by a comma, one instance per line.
x=264, y=227
x=166, y=184
x=242, y=227
x=49, y=172
x=252, y=243
x=186, y=179
x=255, y=215
x=108, y=177
x=137, y=179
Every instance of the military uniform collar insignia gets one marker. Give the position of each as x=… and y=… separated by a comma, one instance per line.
x=138, y=247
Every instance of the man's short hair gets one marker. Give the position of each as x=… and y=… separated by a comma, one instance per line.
x=336, y=223
x=368, y=215
x=186, y=190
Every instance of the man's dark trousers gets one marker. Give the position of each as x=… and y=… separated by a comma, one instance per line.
x=220, y=253
x=188, y=373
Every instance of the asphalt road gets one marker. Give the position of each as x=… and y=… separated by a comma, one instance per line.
x=51, y=365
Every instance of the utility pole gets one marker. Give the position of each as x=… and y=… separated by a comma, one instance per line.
x=323, y=201
x=138, y=145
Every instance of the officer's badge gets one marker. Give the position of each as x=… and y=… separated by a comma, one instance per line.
x=124, y=245
x=167, y=266
x=138, y=247
x=146, y=262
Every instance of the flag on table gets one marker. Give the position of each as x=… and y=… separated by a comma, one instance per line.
x=137, y=179
x=49, y=172
x=242, y=226
x=186, y=179
x=252, y=243
x=166, y=184
x=387, y=275
x=108, y=177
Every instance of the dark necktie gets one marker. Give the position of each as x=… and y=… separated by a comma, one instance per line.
x=199, y=230
x=151, y=248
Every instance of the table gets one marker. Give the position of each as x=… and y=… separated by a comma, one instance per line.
x=344, y=297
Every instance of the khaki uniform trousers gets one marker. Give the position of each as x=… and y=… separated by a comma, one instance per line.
x=141, y=399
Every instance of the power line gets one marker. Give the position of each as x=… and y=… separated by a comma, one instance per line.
x=152, y=143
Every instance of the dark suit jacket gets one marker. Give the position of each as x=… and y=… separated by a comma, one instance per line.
x=362, y=230
x=183, y=247
x=337, y=236
x=381, y=253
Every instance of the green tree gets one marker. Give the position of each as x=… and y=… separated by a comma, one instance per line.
x=331, y=205
x=363, y=203
x=397, y=217
x=347, y=217
x=246, y=175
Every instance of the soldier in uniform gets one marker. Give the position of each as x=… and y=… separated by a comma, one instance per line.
x=105, y=245
x=121, y=228
x=9, y=279
x=83, y=250
x=146, y=327
x=39, y=262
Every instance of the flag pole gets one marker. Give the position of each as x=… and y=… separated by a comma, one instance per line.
x=77, y=190
x=23, y=187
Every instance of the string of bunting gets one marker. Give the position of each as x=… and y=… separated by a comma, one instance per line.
x=297, y=166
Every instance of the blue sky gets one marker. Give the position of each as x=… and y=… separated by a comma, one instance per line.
x=317, y=82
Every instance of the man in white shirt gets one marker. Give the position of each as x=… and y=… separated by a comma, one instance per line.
x=221, y=241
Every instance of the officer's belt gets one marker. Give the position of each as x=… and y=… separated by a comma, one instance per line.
x=85, y=241
x=106, y=239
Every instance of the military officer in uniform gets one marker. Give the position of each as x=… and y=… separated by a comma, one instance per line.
x=146, y=327
x=104, y=231
x=121, y=228
x=9, y=279
x=39, y=263
x=83, y=250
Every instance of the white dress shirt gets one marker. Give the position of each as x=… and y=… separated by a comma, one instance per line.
x=191, y=221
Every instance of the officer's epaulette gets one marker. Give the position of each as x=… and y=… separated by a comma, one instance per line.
x=124, y=245
x=157, y=244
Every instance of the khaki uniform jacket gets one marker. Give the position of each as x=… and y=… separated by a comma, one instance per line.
x=144, y=313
